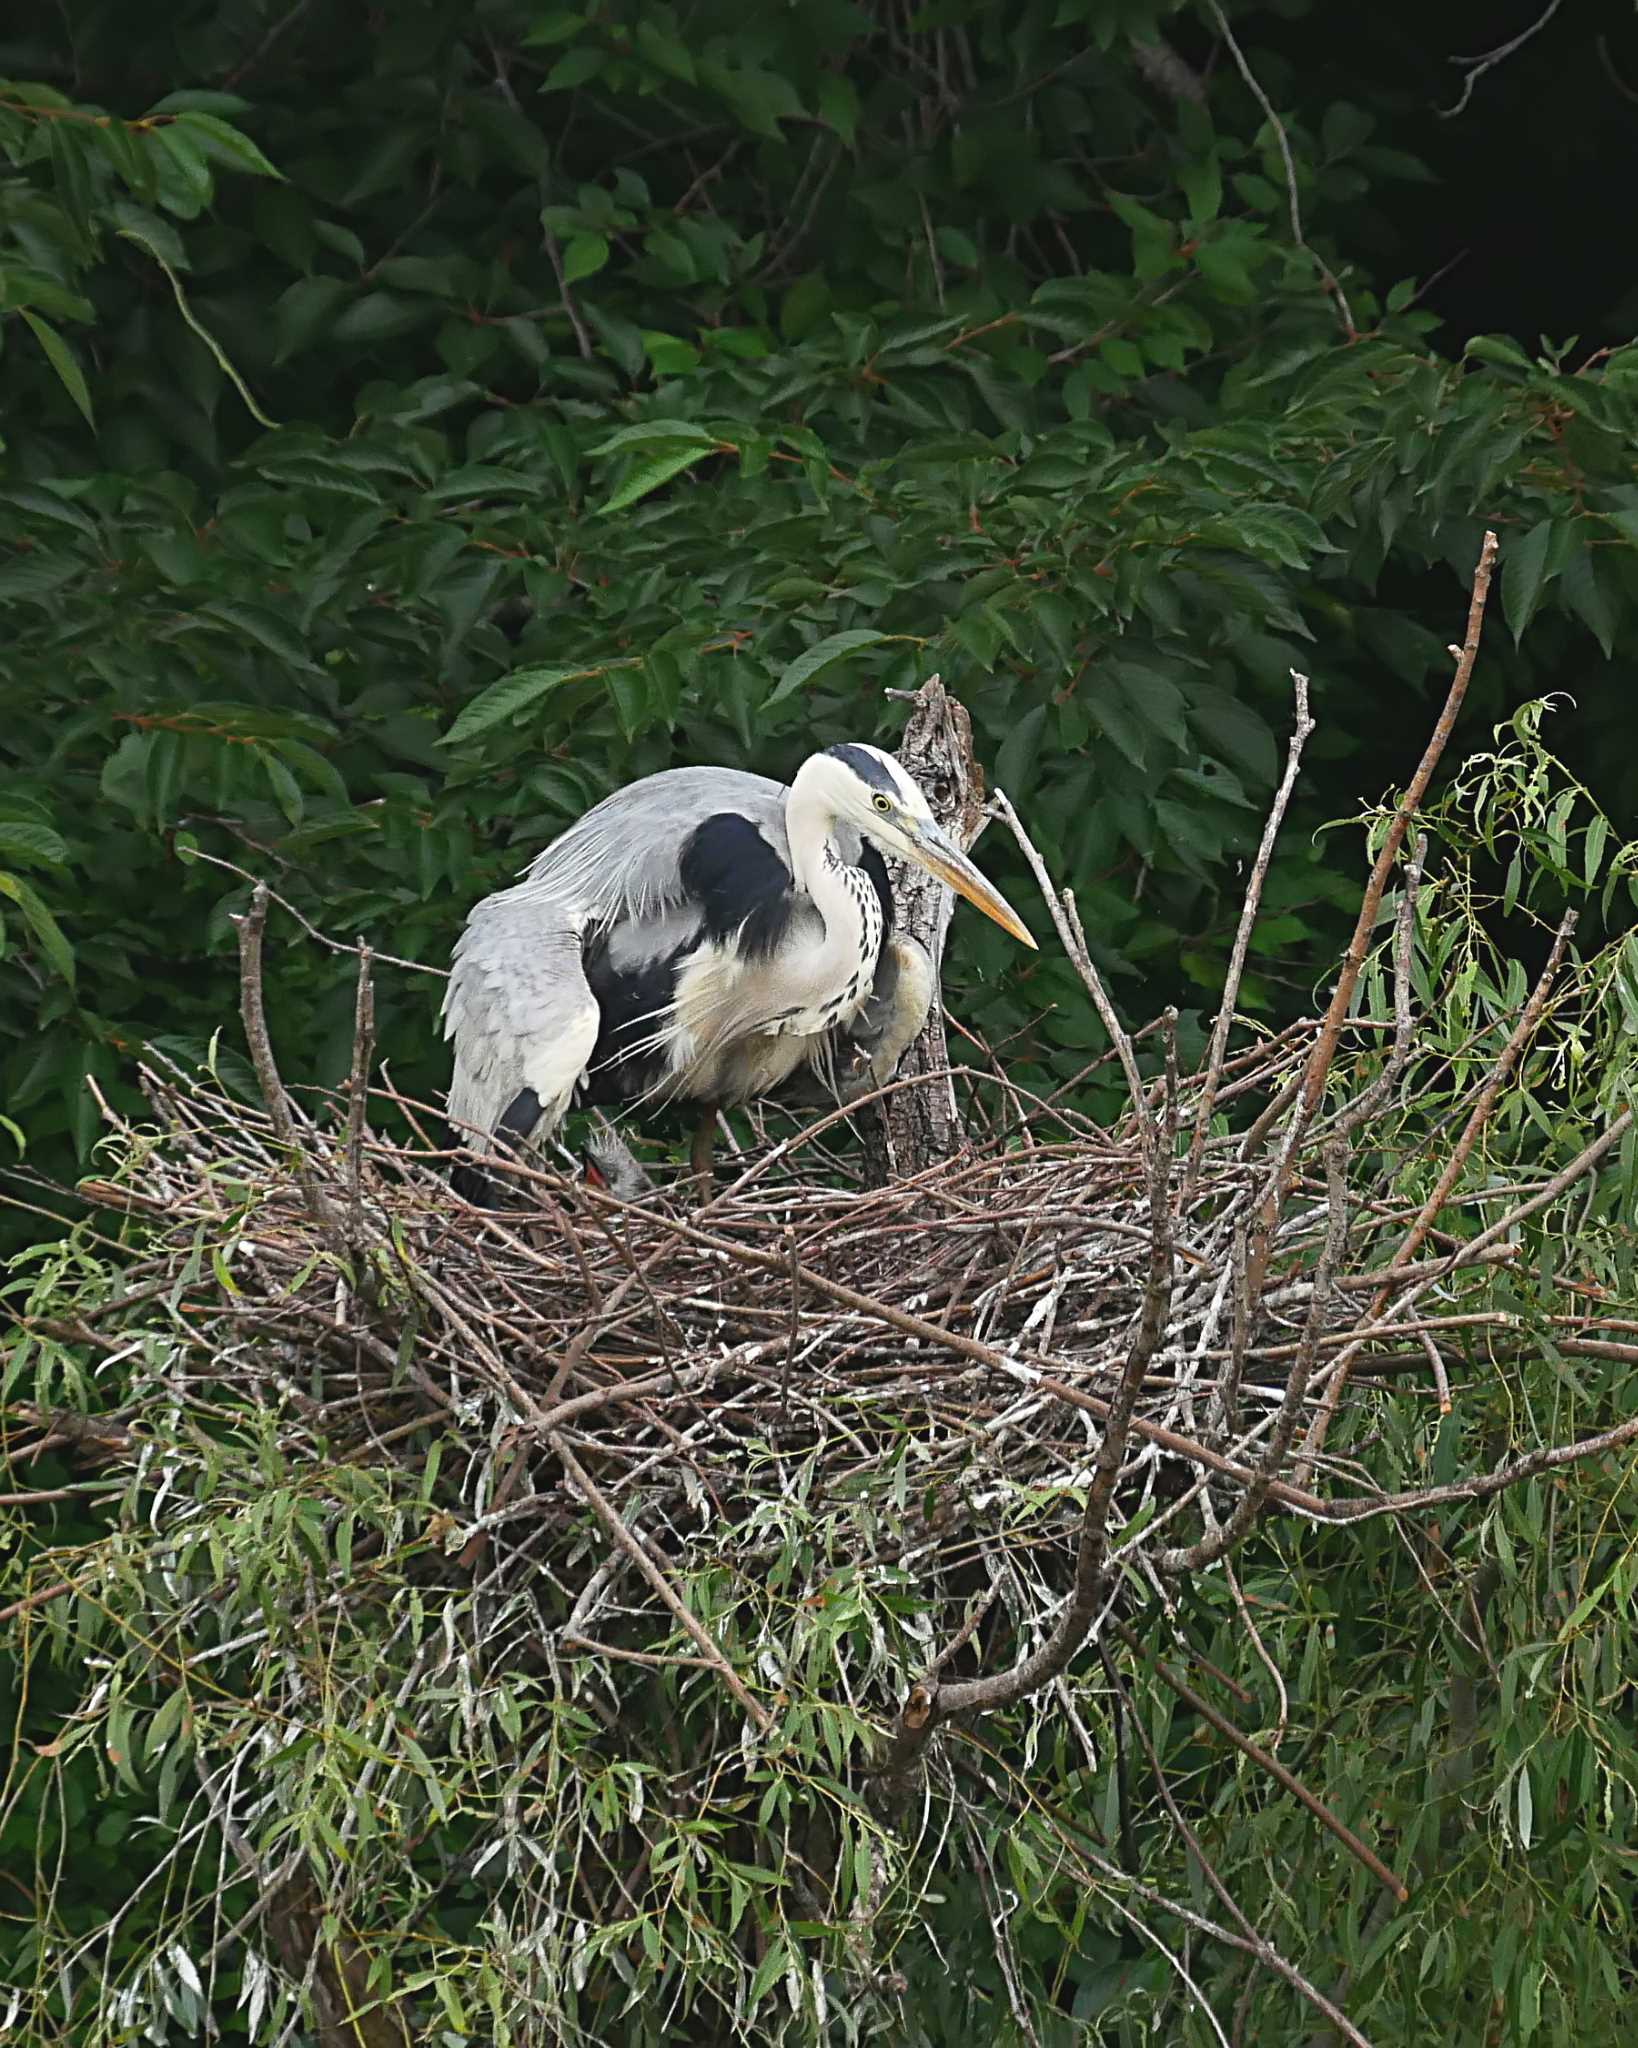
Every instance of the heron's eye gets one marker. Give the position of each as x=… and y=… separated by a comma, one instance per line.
x=883, y=803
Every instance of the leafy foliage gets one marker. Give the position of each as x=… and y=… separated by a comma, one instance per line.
x=361, y=1657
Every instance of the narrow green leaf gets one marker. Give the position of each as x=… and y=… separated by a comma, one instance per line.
x=1592, y=853
x=839, y=105
x=556, y=27
x=664, y=51
x=649, y=476
x=836, y=648
x=1495, y=348
x=47, y=932
x=217, y=139
x=1588, y=596
x=61, y=358
x=655, y=433
x=1524, y=574
x=513, y=694
x=1203, y=188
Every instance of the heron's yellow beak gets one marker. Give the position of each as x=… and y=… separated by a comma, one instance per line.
x=939, y=855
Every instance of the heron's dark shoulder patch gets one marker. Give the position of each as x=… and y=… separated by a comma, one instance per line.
x=739, y=882
x=875, y=867
x=632, y=1002
x=866, y=766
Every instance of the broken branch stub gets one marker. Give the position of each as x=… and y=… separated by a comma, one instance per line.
x=912, y=1128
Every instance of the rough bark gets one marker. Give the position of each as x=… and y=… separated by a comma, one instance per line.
x=916, y=1126
x=347, y=2012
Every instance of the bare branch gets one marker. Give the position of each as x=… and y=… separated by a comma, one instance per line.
x=1242, y=938
x=1476, y=67
x=1327, y=276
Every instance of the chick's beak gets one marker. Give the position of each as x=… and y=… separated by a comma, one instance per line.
x=934, y=850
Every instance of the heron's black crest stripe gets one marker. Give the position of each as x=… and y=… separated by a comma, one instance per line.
x=739, y=882
x=865, y=765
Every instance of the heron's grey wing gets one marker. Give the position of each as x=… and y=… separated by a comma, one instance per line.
x=623, y=859
x=519, y=1010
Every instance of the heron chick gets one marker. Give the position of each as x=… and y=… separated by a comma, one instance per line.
x=699, y=936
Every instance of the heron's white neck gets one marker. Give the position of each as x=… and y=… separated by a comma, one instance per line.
x=841, y=893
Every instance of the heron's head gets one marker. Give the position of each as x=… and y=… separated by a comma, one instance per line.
x=874, y=794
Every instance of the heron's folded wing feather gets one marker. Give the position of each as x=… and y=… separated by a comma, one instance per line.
x=519, y=1009
x=624, y=858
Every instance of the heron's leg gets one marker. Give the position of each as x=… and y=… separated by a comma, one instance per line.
x=699, y=1152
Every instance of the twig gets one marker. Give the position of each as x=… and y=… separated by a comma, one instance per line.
x=1220, y=1542
x=1319, y=1061
x=637, y=1551
x=1067, y=921
x=30, y=1601
x=215, y=860
x=1491, y=1087
x=1327, y=276
x=358, y=1092
x=279, y=29
x=1294, y=1785
x=1303, y=726
x=1583, y=1163
x=251, y=925
x=555, y=254
x=655, y=1660
x=1441, y=1379
x=1360, y=1112
x=1478, y=66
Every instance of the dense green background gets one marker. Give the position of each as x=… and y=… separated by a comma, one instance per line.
x=418, y=422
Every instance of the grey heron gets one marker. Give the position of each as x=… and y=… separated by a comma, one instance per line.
x=699, y=936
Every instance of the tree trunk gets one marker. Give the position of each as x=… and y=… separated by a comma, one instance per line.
x=917, y=1125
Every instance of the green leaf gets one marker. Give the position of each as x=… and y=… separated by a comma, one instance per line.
x=61, y=358
x=649, y=476
x=1203, y=187
x=506, y=699
x=584, y=257
x=25, y=840
x=656, y=433
x=669, y=356
x=1015, y=763
x=1495, y=348
x=1588, y=596
x=556, y=27
x=1593, y=851
x=47, y=932
x=263, y=625
x=839, y=105
x=192, y=101
x=1524, y=574
x=217, y=139
x=574, y=68
x=836, y=648
x=664, y=51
